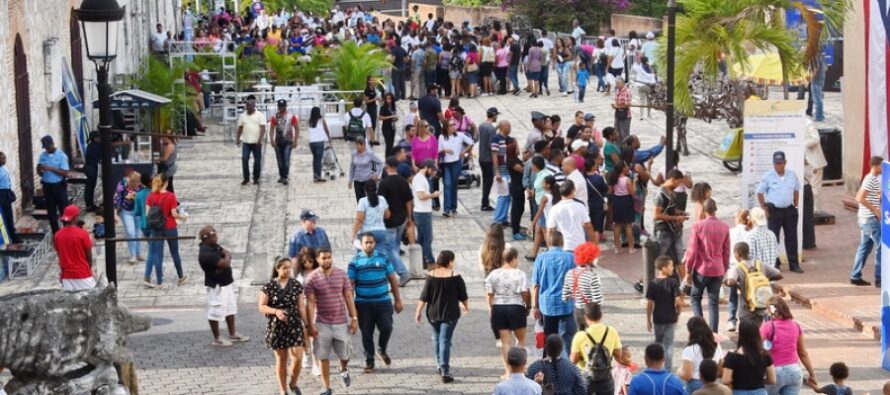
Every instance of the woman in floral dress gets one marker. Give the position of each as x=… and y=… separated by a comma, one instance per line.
x=281, y=300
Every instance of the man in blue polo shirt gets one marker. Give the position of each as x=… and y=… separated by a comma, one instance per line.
x=53, y=170
x=373, y=278
x=655, y=380
x=549, y=273
x=311, y=235
x=779, y=196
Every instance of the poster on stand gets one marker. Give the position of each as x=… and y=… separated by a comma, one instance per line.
x=885, y=269
x=770, y=126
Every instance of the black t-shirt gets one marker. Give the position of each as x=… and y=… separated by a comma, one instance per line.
x=371, y=93
x=429, y=107
x=663, y=291
x=515, y=54
x=515, y=176
x=93, y=155
x=386, y=110
x=443, y=296
x=744, y=375
x=208, y=258
x=574, y=131
x=397, y=193
x=399, y=54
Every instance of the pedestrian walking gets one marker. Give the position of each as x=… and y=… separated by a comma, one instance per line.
x=443, y=298
x=319, y=135
x=869, y=199
x=739, y=233
x=388, y=116
x=752, y=278
x=707, y=260
x=162, y=213
x=370, y=101
x=663, y=306
x=502, y=175
x=357, y=122
x=582, y=285
x=548, y=281
x=373, y=278
x=397, y=192
x=546, y=194
x=309, y=235
x=645, y=80
x=251, y=131
x=140, y=210
x=7, y=198
x=554, y=372
x=167, y=161
x=515, y=168
x=216, y=262
x=622, y=104
x=657, y=375
x=779, y=195
x=701, y=192
x=593, y=350
x=453, y=147
x=491, y=250
x=430, y=109
x=365, y=167
x=425, y=146
x=749, y=368
x=369, y=216
x=487, y=130
x=91, y=159
x=74, y=249
x=423, y=207
x=622, y=188
x=329, y=298
x=761, y=241
x=125, y=204
x=52, y=167
x=507, y=293
x=787, y=349
x=515, y=382
x=284, y=138
x=281, y=301
x=669, y=218
x=701, y=347
x=570, y=218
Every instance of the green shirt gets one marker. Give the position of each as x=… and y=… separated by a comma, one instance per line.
x=608, y=150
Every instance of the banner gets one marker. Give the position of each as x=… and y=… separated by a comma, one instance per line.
x=885, y=269
x=79, y=121
x=770, y=126
x=877, y=108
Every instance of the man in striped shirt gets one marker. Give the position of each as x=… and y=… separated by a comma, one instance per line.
x=869, y=198
x=373, y=278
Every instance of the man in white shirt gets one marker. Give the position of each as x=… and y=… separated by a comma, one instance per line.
x=423, y=207
x=577, y=31
x=358, y=112
x=549, y=53
x=570, y=217
x=159, y=40
x=430, y=23
x=251, y=129
x=570, y=168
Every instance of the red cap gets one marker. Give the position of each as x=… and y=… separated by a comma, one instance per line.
x=71, y=212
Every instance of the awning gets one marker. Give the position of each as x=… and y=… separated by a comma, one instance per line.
x=134, y=98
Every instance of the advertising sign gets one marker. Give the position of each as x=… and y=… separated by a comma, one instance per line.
x=885, y=269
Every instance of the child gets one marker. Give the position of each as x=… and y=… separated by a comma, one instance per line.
x=623, y=213
x=583, y=76
x=99, y=227
x=738, y=234
x=708, y=372
x=663, y=306
x=623, y=371
x=546, y=203
x=839, y=373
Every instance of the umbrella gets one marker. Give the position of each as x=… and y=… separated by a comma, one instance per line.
x=767, y=69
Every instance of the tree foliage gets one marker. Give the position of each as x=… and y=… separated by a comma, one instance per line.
x=557, y=15
x=158, y=77
x=352, y=64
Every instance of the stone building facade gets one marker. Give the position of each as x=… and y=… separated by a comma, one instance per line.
x=36, y=37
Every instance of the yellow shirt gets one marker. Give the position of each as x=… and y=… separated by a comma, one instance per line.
x=581, y=344
x=251, y=124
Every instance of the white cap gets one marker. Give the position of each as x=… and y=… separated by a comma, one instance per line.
x=650, y=35
x=578, y=144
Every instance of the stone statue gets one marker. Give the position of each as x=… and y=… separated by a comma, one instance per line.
x=65, y=343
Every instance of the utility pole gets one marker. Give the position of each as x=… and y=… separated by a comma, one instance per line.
x=669, y=107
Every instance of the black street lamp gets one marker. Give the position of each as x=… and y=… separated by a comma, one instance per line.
x=99, y=20
x=669, y=106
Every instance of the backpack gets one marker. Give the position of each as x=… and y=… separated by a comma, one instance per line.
x=355, y=127
x=599, y=359
x=156, y=218
x=603, y=59
x=456, y=64
x=757, y=287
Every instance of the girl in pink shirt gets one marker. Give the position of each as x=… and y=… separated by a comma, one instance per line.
x=783, y=339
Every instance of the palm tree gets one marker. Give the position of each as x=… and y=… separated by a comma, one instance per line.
x=352, y=64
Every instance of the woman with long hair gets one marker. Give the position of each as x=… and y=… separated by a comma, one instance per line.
x=125, y=204
x=515, y=167
x=534, y=64
x=701, y=192
x=492, y=249
x=502, y=64
x=372, y=209
x=471, y=70
x=167, y=161
x=788, y=349
x=167, y=203
x=600, y=61
x=319, y=134
x=389, y=116
x=455, y=70
x=487, y=57
x=701, y=346
x=425, y=146
x=548, y=199
x=281, y=301
x=621, y=187
x=444, y=293
x=749, y=368
x=563, y=61
x=370, y=99
x=304, y=263
x=506, y=289
x=452, y=148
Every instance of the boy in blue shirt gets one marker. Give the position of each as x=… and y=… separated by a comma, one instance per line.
x=583, y=76
x=655, y=380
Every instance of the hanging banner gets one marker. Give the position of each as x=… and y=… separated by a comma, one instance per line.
x=79, y=121
x=885, y=269
x=770, y=126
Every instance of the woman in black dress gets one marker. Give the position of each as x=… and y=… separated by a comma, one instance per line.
x=370, y=97
x=389, y=116
x=281, y=300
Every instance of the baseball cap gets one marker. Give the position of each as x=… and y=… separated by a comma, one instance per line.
x=46, y=141
x=493, y=111
x=757, y=216
x=577, y=144
x=778, y=157
x=588, y=116
x=282, y=103
x=70, y=213
x=538, y=115
x=516, y=356
x=308, y=215
x=650, y=35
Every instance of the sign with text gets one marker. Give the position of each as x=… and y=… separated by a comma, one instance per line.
x=885, y=269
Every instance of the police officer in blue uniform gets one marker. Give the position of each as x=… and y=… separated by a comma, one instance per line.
x=53, y=170
x=779, y=195
x=7, y=197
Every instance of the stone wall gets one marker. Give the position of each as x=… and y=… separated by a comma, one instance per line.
x=623, y=24
x=476, y=15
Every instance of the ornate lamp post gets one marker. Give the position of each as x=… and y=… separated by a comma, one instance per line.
x=99, y=20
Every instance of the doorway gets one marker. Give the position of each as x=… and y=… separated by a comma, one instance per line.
x=23, y=114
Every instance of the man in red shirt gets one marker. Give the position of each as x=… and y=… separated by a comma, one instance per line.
x=74, y=247
x=707, y=260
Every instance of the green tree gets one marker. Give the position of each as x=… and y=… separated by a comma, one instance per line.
x=158, y=77
x=352, y=64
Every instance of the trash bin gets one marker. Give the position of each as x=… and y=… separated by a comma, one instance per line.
x=832, y=147
x=649, y=255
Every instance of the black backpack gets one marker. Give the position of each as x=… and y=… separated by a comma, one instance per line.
x=599, y=359
x=355, y=127
x=156, y=218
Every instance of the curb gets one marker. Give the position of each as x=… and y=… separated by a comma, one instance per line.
x=869, y=329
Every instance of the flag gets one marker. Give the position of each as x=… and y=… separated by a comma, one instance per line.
x=80, y=125
x=877, y=109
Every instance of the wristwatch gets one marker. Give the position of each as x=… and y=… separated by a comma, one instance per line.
x=354, y=318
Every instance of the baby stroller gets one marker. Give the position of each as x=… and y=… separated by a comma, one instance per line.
x=468, y=175
x=329, y=163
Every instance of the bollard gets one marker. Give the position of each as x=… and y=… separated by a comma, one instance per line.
x=649, y=255
x=415, y=261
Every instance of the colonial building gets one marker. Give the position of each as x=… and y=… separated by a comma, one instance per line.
x=36, y=39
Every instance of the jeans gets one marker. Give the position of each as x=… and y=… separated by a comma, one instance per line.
x=398, y=83
x=487, y=169
x=581, y=89
x=818, y=99
x=282, y=155
x=785, y=220
x=501, y=208
x=664, y=335
x=370, y=316
x=759, y=391
x=711, y=285
x=130, y=228
x=429, y=77
x=563, y=325
x=693, y=385
x=733, y=304
x=600, y=72
x=871, y=237
x=393, y=241
x=246, y=151
x=156, y=254
x=513, y=75
x=789, y=380
x=562, y=70
x=670, y=244
x=56, y=195
x=501, y=75
x=443, y=331
x=89, y=193
x=451, y=172
x=317, y=150
x=424, y=224
x=545, y=76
